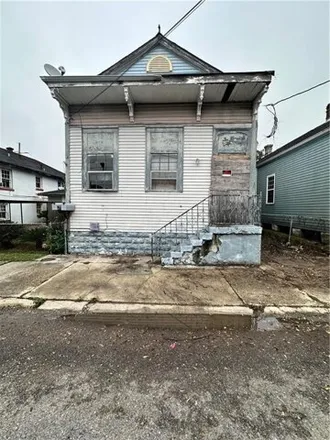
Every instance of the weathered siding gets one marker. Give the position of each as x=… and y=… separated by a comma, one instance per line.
x=238, y=182
x=178, y=65
x=131, y=208
x=301, y=186
x=212, y=113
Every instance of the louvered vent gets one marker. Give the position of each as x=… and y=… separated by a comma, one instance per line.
x=158, y=64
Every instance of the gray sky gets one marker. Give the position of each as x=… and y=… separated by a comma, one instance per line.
x=291, y=38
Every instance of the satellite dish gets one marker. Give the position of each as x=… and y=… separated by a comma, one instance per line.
x=51, y=70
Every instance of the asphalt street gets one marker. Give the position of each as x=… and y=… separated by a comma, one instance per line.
x=62, y=379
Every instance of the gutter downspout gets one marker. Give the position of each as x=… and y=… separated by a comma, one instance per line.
x=254, y=142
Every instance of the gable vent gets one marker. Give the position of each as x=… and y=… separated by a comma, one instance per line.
x=159, y=63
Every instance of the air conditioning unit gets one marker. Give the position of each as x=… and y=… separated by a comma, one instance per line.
x=63, y=207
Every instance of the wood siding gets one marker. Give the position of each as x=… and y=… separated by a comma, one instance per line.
x=178, y=64
x=132, y=208
x=238, y=181
x=212, y=113
x=302, y=188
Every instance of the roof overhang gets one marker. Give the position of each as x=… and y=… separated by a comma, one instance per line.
x=129, y=90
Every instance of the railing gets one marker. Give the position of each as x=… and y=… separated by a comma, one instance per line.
x=214, y=210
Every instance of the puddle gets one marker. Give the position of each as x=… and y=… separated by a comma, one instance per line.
x=268, y=324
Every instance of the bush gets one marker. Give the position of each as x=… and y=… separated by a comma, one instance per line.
x=8, y=233
x=55, y=238
x=38, y=235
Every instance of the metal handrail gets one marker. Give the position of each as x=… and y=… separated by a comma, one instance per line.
x=225, y=209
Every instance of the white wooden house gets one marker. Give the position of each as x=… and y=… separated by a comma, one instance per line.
x=162, y=137
x=23, y=183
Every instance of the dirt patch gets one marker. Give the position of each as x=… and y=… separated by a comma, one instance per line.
x=303, y=264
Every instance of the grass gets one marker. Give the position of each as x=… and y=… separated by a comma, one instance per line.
x=19, y=255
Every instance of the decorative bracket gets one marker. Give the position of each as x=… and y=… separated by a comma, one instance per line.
x=130, y=103
x=62, y=103
x=200, y=102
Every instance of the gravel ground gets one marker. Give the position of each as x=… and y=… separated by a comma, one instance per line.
x=66, y=380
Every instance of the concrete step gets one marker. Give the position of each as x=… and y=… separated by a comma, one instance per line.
x=186, y=247
x=196, y=242
x=169, y=316
x=205, y=236
x=176, y=254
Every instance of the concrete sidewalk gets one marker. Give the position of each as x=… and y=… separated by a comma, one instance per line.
x=127, y=284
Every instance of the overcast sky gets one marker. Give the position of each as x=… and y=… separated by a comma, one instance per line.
x=291, y=38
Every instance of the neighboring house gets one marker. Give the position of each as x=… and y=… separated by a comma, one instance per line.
x=21, y=179
x=294, y=182
x=159, y=133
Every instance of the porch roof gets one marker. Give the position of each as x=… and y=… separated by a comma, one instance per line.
x=217, y=87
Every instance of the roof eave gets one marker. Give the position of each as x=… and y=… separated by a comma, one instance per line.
x=105, y=80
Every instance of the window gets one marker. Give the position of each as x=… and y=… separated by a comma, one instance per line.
x=39, y=208
x=270, y=190
x=231, y=141
x=164, y=159
x=38, y=182
x=5, y=176
x=60, y=184
x=4, y=211
x=100, y=159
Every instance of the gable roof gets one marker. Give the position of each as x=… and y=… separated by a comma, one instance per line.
x=27, y=163
x=320, y=130
x=125, y=63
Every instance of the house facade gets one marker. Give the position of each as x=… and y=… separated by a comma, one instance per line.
x=294, y=182
x=151, y=144
x=21, y=180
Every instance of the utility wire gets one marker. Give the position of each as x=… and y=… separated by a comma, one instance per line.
x=191, y=11
x=271, y=107
x=300, y=93
x=182, y=19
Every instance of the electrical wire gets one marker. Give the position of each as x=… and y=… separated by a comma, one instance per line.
x=300, y=93
x=271, y=107
x=182, y=19
x=191, y=11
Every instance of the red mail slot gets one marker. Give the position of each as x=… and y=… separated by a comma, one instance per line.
x=226, y=172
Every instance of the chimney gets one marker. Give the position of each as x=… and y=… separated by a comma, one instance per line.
x=268, y=149
x=10, y=149
x=327, y=112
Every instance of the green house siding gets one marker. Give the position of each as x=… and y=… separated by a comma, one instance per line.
x=302, y=188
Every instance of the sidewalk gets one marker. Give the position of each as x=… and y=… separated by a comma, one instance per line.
x=133, y=285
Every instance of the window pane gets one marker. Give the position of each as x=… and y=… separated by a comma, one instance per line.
x=5, y=178
x=163, y=185
x=100, y=180
x=270, y=197
x=164, y=162
x=100, y=162
x=271, y=182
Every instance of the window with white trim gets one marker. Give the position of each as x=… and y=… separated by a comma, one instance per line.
x=270, y=189
x=4, y=211
x=5, y=178
x=38, y=182
x=100, y=159
x=164, y=167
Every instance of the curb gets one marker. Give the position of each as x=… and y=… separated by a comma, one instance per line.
x=169, y=316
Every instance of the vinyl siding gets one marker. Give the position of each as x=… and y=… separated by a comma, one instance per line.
x=178, y=64
x=131, y=208
x=212, y=113
x=301, y=186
